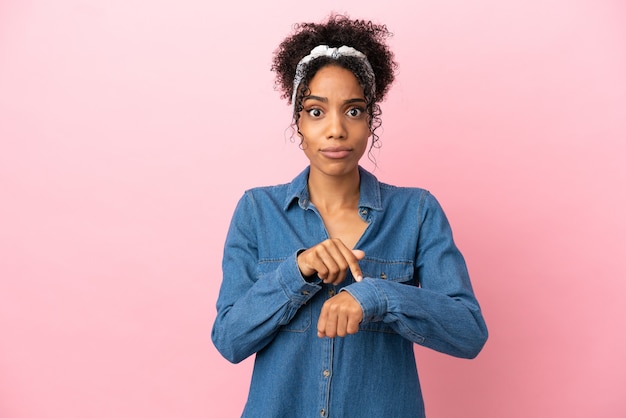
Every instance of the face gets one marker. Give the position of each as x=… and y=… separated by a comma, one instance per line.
x=334, y=122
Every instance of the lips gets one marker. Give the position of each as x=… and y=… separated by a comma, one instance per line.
x=335, y=152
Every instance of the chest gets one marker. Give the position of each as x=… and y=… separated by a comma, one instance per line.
x=345, y=225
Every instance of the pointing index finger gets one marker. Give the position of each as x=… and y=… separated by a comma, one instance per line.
x=354, y=265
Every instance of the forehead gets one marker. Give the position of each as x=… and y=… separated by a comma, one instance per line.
x=335, y=79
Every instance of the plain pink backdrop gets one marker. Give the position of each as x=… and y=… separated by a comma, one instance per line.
x=129, y=129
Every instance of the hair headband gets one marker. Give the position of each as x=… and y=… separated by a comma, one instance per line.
x=334, y=53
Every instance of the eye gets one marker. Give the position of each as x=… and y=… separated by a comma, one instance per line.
x=314, y=112
x=355, y=112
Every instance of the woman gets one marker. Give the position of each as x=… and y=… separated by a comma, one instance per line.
x=331, y=278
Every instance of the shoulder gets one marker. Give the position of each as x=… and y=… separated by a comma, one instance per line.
x=284, y=192
x=393, y=192
x=273, y=190
x=410, y=198
x=402, y=190
x=263, y=198
x=273, y=197
x=383, y=195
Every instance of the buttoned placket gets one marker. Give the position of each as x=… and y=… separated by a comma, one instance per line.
x=326, y=343
x=326, y=374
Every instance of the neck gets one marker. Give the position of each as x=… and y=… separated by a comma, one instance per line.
x=333, y=192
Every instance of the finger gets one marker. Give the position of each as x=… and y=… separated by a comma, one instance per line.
x=331, y=260
x=342, y=324
x=321, y=322
x=330, y=328
x=349, y=316
x=353, y=325
x=337, y=268
x=359, y=254
x=335, y=260
x=324, y=263
x=353, y=257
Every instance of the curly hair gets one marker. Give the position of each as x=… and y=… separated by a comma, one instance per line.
x=338, y=30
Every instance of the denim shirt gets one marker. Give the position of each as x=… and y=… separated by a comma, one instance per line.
x=415, y=289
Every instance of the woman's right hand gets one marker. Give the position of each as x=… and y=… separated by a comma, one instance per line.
x=330, y=260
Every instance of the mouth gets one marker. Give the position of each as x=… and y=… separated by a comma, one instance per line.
x=335, y=152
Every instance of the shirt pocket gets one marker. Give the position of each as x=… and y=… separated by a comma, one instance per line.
x=301, y=320
x=395, y=271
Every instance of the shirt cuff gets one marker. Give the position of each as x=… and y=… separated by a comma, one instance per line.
x=297, y=289
x=372, y=299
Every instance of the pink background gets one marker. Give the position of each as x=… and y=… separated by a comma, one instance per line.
x=129, y=129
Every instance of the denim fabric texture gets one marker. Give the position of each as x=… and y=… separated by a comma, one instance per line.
x=415, y=289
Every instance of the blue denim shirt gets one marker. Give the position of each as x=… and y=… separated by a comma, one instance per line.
x=415, y=289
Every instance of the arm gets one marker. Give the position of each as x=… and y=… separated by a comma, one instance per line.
x=251, y=309
x=442, y=313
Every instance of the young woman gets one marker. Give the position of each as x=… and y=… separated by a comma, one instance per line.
x=330, y=279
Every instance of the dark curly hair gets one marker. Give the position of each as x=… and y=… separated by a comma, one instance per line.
x=338, y=30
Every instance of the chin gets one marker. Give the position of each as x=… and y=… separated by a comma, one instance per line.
x=339, y=168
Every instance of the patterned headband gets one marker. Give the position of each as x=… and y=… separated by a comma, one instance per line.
x=334, y=53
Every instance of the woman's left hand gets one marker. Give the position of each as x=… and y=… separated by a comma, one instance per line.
x=340, y=315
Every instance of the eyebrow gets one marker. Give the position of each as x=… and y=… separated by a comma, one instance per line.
x=325, y=100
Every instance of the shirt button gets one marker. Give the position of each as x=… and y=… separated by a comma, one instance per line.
x=323, y=413
x=383, y=276
x=305, y=292
x=331, y=292
x=363, y=212
x=326, y=373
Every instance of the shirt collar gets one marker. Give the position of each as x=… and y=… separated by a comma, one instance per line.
x=369, y=190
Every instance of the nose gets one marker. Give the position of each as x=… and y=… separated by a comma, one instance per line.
x=336, y=128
